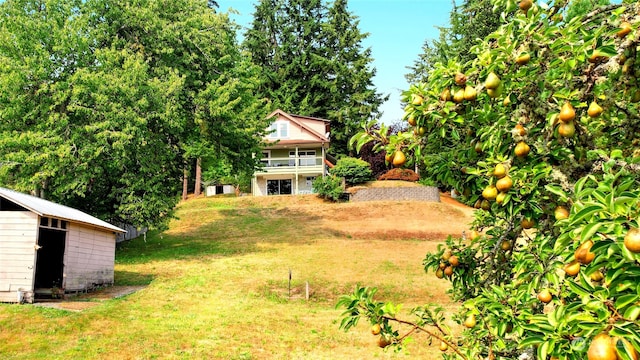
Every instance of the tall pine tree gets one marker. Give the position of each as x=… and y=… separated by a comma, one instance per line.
x=313, y=63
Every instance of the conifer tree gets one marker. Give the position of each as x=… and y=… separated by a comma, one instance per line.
x=313, y=63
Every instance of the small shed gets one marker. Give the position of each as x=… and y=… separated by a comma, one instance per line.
x=51, y=249
x=212, y=190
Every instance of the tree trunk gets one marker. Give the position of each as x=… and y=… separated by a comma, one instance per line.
x=196, y=191
x=185, y=184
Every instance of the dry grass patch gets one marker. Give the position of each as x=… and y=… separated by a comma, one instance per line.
x=218, y=284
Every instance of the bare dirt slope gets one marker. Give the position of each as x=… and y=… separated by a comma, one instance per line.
x=379, y=219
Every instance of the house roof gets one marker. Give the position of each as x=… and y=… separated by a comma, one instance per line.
x=47, y=208
x=296, y=119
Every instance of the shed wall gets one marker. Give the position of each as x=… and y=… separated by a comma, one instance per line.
x=18, y=237
x=89, y=258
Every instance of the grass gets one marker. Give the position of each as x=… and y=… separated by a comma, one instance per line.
x=218, y=287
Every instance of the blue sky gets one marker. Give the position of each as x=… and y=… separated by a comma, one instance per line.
x=397, y=30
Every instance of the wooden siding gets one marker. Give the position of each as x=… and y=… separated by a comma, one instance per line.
x=89, y=258
x=18, y=237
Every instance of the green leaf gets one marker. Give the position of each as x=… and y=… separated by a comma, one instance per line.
x=530, y=341
x=585, y=213
x=632, y=313
x=557, y=190
x=543, y=350
x=578, y=289
x=625, y=300
x=589, y=230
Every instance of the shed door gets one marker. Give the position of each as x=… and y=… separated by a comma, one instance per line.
x=49, y=263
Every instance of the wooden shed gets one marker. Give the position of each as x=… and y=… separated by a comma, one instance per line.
x=51, y=249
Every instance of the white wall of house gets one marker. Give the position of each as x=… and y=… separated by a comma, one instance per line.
x=293, y=131
x=89, y=258
x=18, y=238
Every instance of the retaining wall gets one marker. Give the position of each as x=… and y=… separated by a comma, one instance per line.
x=419, y=193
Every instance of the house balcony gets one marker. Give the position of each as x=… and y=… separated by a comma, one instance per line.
x=292, y=165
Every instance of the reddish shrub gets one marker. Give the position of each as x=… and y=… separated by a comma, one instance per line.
x=400, y=174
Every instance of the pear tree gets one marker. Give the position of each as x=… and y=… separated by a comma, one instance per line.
x=539, y=132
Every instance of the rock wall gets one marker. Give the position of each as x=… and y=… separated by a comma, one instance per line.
x=419, y=193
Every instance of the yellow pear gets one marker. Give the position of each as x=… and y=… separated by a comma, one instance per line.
x=522, y=149
x=567, y=130
x=470, y=93
x=445, y=95
x=443, y=346
x=625, y=28
x=561, y=213
x=594, y=110
x=490, y=192
x=583, y=254
x=567, y=112
x=504, y=184
x=602, y=348
x=523, y=59
x=458, y=96
x=492, y=81
x=470, y=321
x=399, y=158
x=412, y=120
x=416, y=99
x=545, y=296
x=499, y=171
x=572, y=269
x=632, y=240
x=494, y=93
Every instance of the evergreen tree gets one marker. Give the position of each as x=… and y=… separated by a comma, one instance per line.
x=350, y=76
x=313, y=63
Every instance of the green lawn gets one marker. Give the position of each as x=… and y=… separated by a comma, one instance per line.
x=217, y=287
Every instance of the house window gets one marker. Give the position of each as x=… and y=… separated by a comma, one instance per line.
x=279, y=187
x=279, y=130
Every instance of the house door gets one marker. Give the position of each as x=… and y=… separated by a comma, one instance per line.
x=50, y=256
x=279, y=187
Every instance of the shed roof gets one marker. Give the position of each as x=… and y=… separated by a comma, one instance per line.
x=47, y=208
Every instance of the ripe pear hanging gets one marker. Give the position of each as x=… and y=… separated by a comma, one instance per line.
x=492, y=81
x=567, y=112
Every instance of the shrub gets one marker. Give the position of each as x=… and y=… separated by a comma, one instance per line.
x=354, y=171
x=400, y=174
x=328, y=187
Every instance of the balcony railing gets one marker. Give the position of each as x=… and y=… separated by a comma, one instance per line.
x=292, y=164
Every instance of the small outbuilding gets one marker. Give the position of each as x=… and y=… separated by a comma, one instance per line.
x=50, y=249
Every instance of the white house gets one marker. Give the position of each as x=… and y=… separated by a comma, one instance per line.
x=47, y=248
x=294, y=157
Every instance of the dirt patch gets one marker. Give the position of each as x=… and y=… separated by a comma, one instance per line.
x=89, y=300
x=446, y=198
x=397, y=219
x=385, y=220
